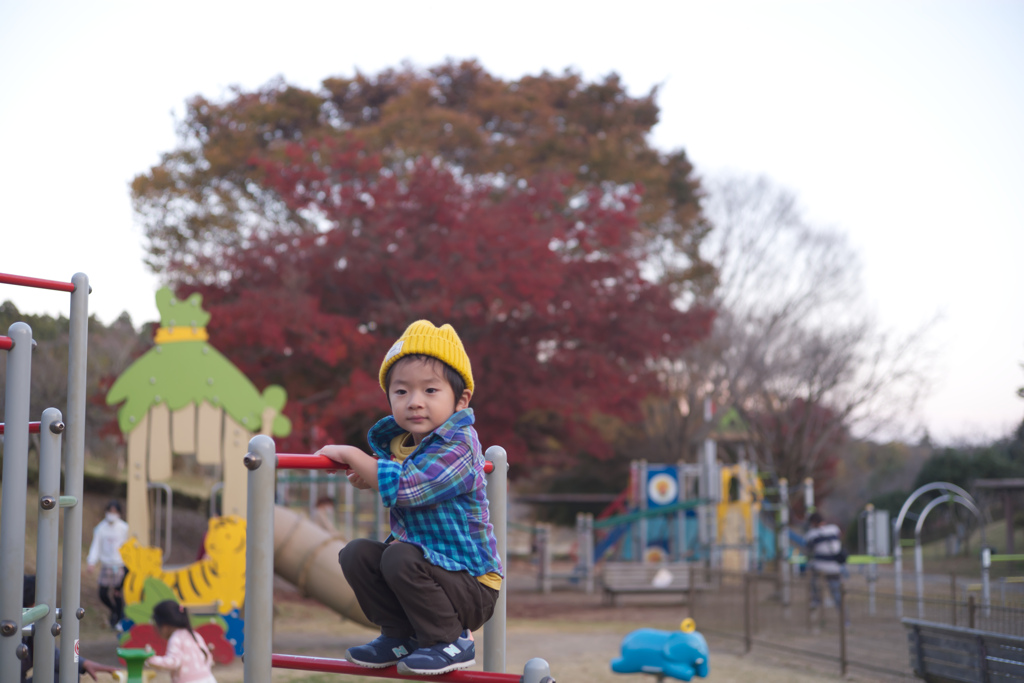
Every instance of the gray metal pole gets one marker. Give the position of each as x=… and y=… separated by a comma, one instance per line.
x=871, y=544
x=710, y=487
x=679, y=537
x=641, y=504
x=897, y=560
x=808, y=495
x=12, y=510
x=588, y=552
x=261, y=461
x=47, y=538
x=497, y=505
x=986, y=564
x=350, y=512
x=542, y=534
x=843, y=661
x=162, y=528
x=784, y=539
x=74, y=479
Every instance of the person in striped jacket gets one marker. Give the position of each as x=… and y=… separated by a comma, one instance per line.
x=825, y=558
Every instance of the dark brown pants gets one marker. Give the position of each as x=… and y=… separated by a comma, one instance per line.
x=409, y=597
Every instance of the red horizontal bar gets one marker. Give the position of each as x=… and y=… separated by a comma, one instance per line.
x=7, y=279
x=33, y=427
x=6, y=343
x=341, y=666
x=298, y=461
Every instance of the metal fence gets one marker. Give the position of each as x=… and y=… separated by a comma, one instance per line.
x=863, y=633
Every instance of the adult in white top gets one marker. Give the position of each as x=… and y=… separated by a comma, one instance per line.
x=107, y=539
x=824, y=557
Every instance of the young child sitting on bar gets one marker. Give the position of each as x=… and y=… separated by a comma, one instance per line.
x=436, y=579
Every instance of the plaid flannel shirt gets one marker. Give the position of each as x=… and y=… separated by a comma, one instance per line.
x=438, y=495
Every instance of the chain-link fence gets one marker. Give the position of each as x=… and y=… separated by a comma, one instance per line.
x=864, y=633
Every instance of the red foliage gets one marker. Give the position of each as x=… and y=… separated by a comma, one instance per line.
x=543, y=286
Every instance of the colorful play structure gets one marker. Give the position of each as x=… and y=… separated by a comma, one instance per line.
x=705, y=512
x=183, y=398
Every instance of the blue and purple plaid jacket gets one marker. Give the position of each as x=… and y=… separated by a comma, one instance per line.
x=438, y=496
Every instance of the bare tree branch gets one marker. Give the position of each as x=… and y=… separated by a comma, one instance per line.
x=794, y=350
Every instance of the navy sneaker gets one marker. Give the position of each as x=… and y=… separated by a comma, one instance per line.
x=440, y=658
x=380, y=652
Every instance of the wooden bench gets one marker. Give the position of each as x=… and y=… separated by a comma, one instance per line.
x=636, y=577
x=940, y=653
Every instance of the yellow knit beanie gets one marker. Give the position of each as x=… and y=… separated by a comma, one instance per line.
x=441, y=343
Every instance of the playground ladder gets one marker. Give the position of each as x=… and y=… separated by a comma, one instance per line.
x=49, y=621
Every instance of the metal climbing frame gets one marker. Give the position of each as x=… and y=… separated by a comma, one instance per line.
x=263, y=462
x=49, y=621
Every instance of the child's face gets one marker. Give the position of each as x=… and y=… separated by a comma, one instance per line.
x=421, y=398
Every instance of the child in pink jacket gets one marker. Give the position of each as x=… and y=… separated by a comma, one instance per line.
x=187, y=658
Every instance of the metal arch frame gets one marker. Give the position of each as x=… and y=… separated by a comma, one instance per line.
x=918, y=555
x=898, y=525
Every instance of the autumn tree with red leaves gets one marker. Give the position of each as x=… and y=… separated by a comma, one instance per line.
x=532, y=216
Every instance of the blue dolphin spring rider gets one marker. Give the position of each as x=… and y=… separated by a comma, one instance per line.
x=678, y=654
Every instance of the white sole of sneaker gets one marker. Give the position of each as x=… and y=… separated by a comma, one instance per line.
x=403, y=668
x=369, y=665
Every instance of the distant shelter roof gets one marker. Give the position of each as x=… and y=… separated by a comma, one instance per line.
x=1000, y=484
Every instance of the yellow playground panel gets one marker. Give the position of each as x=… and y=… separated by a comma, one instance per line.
x=742, y=495
x=217, y=579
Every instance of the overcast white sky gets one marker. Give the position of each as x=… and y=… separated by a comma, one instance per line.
x=900, y=123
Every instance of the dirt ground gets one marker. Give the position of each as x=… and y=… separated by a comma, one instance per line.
x=574, y=632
